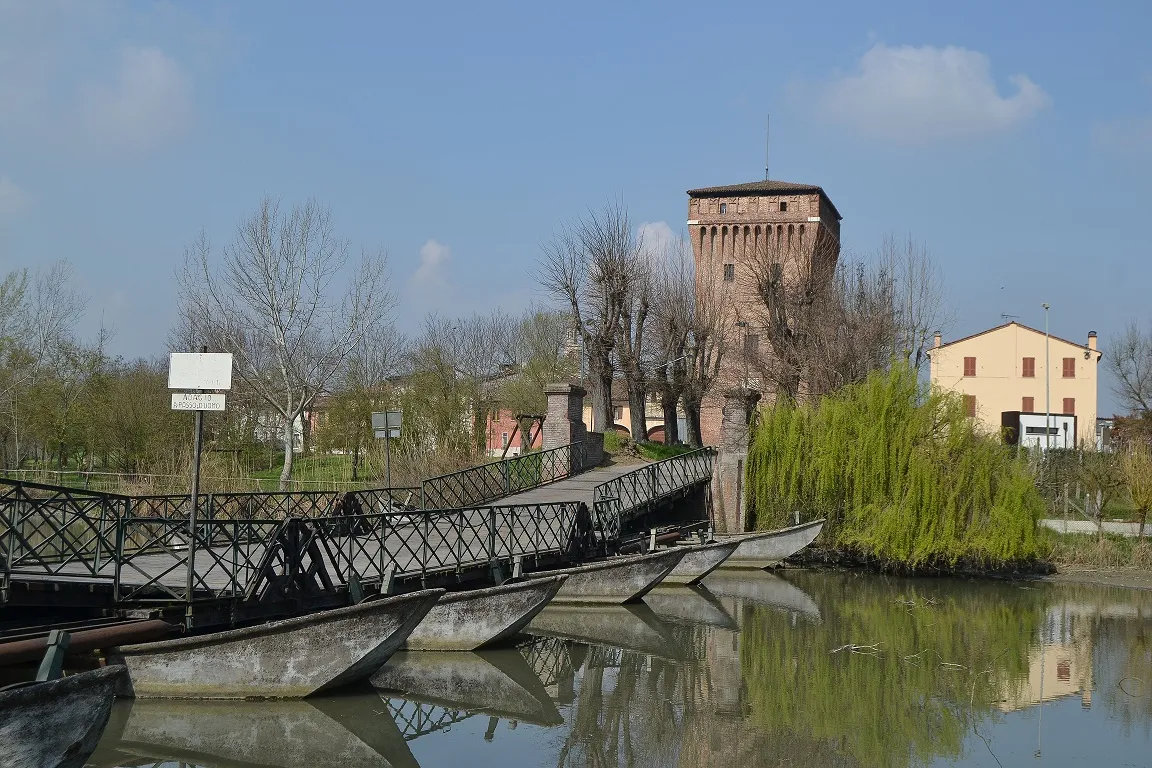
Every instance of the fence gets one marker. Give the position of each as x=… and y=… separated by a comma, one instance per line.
x=124, y=483
x=145, y=548
x=624, y=498
x=486, y=482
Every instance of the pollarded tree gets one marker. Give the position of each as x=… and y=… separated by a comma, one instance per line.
x=283, y=298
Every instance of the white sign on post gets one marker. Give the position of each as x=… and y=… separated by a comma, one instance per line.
x=200, y=370
x=387, y=424
x=196, y=401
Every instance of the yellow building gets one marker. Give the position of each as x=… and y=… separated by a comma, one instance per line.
x=1002, y=370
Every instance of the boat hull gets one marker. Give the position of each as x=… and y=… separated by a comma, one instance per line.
x=616, y=580
x=288, y=659
x=631, y=627
x=764, y=550
x=56, y=723
x=467, y=621
x=700, y=560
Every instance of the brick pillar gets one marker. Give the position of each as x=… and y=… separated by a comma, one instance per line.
x=564, y=422
x=731, y=462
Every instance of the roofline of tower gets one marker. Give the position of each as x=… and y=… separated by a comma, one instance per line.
x=750, y=188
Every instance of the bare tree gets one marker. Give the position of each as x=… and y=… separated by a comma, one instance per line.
x=707, y=342
x=281, y=300
x=673, y=311
x=1130, y=362
x=633, y=330
x=589, y=265
x=542, y=351
x=919, y=296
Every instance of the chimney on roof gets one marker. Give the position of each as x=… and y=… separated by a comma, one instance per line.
x=936, y=340
x=1092, y=340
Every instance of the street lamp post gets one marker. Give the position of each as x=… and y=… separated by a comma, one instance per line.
x=1047, y=386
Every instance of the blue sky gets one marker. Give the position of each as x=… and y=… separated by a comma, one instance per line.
x=1015, y=139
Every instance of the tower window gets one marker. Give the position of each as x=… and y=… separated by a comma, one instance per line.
x=723, y=207
x=729, y=272
x=783, y=206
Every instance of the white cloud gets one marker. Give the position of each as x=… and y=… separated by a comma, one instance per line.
x=1128, y=134
x=148, y=99
x=927, y=94
x=659, y=239
x=13, y=199
x=430, y=277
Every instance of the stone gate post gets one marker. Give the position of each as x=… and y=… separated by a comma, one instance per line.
x=564, y=422
x=731, y=462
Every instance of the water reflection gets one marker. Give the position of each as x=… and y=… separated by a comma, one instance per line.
x=803, y=669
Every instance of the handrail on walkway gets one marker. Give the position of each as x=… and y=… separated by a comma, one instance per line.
x=622, y=499
x=499, y=479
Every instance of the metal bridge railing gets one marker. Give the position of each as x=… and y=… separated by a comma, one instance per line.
x=499, y=479
x=275, y=505
x=619, y=501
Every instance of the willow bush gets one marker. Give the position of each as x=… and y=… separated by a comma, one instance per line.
x=901, y=474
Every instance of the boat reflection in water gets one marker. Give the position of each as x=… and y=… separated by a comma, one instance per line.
x=824, y=669
x=498, y=683
x=344, y=730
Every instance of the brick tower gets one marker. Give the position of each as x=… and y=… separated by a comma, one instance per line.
x=776, y=224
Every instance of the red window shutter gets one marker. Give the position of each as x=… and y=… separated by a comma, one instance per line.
x=1069, y=367
x=970, y=405
x=1028, y=405
x=1070, y=405
x=1029, y=368
x=969, y=366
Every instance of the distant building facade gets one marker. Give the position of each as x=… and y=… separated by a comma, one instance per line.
x=1001, y=371
x=786, y=223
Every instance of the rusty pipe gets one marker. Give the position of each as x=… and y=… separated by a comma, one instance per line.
x=84, y=640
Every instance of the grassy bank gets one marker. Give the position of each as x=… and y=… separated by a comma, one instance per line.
x=1073, y=550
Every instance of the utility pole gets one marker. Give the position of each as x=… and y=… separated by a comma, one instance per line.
x=1047, y=386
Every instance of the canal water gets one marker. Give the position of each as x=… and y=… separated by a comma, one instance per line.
x=798, y=669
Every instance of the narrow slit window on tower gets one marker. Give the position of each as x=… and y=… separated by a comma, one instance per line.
x=783, y=206
x=723, y=207
x=729, y=272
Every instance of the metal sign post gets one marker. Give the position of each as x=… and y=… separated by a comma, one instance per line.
x=197, y=372
x=386, y=426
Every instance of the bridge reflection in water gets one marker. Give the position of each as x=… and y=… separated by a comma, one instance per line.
x=804, y=669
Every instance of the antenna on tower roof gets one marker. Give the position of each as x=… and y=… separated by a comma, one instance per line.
x=767, y=143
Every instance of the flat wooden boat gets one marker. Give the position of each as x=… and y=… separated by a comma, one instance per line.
x=700, y=560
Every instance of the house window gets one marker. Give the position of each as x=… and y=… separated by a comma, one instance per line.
x=1070, y=405
x=970, y=406
x=723, y=207
x=783, y=206
x=1028, y=368
x=729, y=272
x=1069, y=367
x=1028, y=404
x=618, y=412
x=969, y=366
x=504, y=439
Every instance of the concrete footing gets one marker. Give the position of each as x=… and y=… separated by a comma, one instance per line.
x=292, y=658
x=615, y=580
x=58, y=722
x=478, y=618
x=764, y=550
x=700, y=560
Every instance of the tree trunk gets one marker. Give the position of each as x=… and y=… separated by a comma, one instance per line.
x=637, y=405
x=289, y=443
x=305, y=433
x=692, y=416
x=671, y=423
x=601, y=381
x=355, y=460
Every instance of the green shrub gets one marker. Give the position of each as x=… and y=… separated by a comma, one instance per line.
x=613, y=441
x=899, y=471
